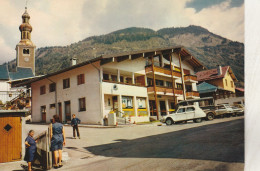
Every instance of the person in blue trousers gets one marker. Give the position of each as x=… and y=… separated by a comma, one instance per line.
x=30, y=145
x=74, y=123
x=57, y=135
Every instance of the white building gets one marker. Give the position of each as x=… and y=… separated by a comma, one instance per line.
x=137, y=85
x=7, y=93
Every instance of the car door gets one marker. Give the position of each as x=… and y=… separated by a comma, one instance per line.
x=190, y=113
x=180, y=114
x=220, y=110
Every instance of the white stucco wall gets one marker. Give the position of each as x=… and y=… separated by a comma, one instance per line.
x=122, y=90
x=90, y=90
x=136, y=66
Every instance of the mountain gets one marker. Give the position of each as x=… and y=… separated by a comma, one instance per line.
x=209, y=48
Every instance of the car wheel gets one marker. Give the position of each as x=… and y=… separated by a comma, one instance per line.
x=169, y=121
x=210, y=116
x=198, y=120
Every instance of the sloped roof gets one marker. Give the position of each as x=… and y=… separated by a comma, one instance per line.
x=213, y=74
x=4, y=72
x=206, y=88
x=185, y=54
x=21, y=73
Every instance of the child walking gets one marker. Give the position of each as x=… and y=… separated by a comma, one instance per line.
x=30, y=144
x=74, y=123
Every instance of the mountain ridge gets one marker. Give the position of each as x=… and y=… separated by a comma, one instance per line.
x=211, y=49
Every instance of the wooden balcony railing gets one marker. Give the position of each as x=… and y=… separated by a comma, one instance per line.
x=190, y=78
x=162, y=70
x=192, y=94
x=164, y=90
x=116, y=82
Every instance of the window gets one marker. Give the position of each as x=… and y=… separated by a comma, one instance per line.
x=114, y=77
x=105, y=77
x=150, y=82
x=52, y=87
x=129, y=80
x=81, y=79
x=109, y=102
x=42, y=90
x=82, y=104
x=172, y=105
x=190, y=109
x=232, y=84
x=168, y=84
x=221, y=107
x=26, y=51
x=141, y=102
x=179, y=86
x=127, y=102
x=181, y=110
x=52, y=106
x=226, y=81
x=188, y=88
x=66, y=83
x=159, y=82
x=121, y=79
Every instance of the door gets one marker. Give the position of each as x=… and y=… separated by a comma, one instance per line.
x=180, y=115
x=11, y=138
x=152, y=106
x=190, y=113
x=115, y=103
x=67, y=111
x=43, y=113
x=163, y=108
x=60, y=111
x=220, y=110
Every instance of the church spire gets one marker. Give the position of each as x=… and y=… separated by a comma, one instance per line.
x=25, y=28
x=25, y=49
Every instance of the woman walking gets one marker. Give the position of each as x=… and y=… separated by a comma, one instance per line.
x=57, y=135
x=30, y=144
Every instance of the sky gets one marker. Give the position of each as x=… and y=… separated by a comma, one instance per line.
x=62, y=22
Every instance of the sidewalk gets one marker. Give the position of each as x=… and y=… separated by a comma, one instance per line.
x=86, y=125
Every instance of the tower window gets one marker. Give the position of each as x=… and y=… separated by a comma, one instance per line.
x=26, y=51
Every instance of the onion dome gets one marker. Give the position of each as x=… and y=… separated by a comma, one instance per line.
x=25, y=27
x=25, y=14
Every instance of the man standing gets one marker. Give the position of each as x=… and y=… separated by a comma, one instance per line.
x=74, y=123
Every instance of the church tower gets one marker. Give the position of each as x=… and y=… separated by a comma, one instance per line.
x=25, y=49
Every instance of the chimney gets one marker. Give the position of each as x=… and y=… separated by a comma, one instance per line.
x=73, y=61
x=219, y=68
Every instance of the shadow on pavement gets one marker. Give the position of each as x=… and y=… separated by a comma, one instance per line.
x=217, y=142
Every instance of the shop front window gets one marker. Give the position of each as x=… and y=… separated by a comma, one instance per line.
x=127, y=102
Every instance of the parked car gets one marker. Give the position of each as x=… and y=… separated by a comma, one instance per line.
x=240, y=106
x=210, y=112
x=224, y=110
x=185, y=113
x=237, y=111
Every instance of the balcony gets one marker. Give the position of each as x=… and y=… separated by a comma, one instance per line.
x=164, y=91
x=190, y=78
x=192, y=94
x=162, y=71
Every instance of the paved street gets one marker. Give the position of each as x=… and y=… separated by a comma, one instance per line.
x=210, y=145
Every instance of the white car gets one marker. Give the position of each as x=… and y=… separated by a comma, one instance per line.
x=224, y=110
x=185, y=113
